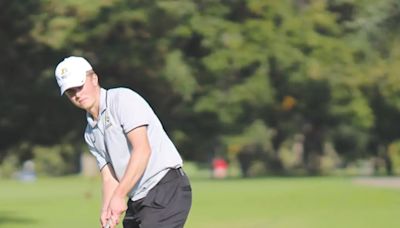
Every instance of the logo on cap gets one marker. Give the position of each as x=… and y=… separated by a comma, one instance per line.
x=64, y=71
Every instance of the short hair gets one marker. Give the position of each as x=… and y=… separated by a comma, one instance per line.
x=90, y=72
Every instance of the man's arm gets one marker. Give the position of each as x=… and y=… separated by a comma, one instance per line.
x=134, y=171
x=109, y=184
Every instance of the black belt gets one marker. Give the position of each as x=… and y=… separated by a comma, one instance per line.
x=172, y=174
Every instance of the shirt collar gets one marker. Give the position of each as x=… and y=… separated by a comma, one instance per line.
x=102, y=108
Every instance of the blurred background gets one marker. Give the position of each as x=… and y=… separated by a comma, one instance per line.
x=245, y=88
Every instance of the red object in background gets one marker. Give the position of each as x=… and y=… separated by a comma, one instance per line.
x=220, y=163
x=220, y=167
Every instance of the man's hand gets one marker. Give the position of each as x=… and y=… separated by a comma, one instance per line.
x=110, y=183
x=104, y=216
x=116, y=207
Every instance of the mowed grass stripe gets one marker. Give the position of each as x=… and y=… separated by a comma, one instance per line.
x=293, y=202
x=235, y=203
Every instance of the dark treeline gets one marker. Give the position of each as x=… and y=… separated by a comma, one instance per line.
x=277, y=86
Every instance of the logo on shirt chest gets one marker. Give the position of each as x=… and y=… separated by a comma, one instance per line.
x=107, y=122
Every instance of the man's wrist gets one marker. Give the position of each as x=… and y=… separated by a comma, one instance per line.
x=119, y=192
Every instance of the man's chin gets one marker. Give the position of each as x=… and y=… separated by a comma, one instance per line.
x=83, y=106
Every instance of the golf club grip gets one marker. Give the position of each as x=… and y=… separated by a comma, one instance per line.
x=107, y=224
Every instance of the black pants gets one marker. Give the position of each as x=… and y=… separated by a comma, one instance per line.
x=166, y=205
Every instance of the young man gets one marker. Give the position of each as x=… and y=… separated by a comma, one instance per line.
x=135, y=156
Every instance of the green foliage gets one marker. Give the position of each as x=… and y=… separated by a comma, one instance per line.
x=179, y=75
x=256, y=134
x=394, y=154
x=220, y=74
x=10, y=166
x=253, y=149
x=55, y=161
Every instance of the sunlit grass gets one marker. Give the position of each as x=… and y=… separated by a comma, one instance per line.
x=238, y=203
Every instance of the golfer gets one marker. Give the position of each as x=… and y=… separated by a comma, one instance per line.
x=135, y=156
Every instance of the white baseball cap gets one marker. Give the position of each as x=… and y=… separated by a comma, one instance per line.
x=71, y=72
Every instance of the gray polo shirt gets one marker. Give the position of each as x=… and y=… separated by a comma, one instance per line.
x=107, y=139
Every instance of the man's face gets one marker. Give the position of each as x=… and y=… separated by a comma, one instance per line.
x=85, y=96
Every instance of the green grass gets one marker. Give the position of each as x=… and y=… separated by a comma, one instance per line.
x=59, y=202
x=258, y=203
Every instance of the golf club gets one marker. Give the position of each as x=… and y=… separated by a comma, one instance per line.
x=108, y=224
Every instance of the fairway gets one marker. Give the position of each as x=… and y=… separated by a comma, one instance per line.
x=236, y=203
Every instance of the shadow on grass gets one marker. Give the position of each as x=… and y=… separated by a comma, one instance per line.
x=11, y=217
